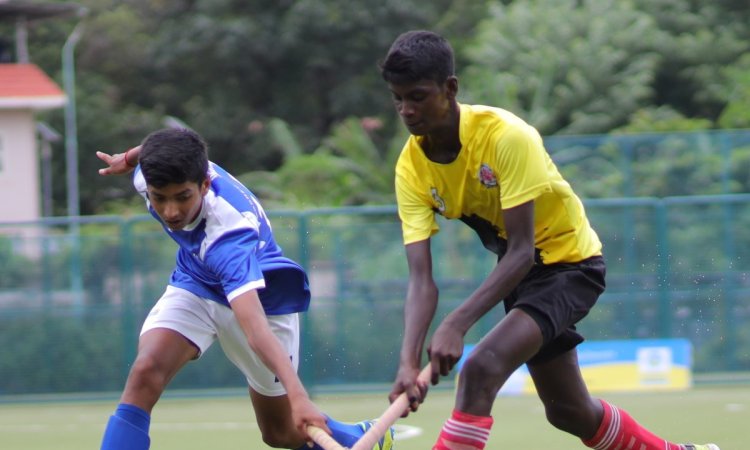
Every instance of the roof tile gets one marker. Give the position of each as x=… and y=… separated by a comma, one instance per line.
x=26, y=80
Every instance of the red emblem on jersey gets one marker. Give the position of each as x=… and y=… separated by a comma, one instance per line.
x=486, y=176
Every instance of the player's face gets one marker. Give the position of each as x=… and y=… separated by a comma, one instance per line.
x=425, y=106
x=178, y=204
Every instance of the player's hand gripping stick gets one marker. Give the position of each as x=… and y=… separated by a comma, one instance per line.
x=323, y=439
x=390, y=416
x=378, y=429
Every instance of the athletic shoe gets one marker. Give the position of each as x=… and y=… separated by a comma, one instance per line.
x=700, y=447
x=386, y=442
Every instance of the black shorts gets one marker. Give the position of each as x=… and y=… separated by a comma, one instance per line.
x=557, y=296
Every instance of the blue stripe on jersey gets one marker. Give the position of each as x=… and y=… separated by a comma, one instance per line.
x=232, y=250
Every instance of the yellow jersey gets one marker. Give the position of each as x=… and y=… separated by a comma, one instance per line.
x=502, y=164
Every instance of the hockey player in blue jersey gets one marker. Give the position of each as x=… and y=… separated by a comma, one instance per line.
x=231, y=283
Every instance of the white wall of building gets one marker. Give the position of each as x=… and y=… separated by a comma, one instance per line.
x=20, y=197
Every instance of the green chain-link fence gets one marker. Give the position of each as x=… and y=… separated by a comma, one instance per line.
x=71, y=304
x=669, y=209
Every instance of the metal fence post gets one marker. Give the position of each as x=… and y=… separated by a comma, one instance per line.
x=127, y=292
x=307, y=370
x=664, y=270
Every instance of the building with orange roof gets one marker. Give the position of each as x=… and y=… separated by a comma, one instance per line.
x=25, y=86
x=24, y=90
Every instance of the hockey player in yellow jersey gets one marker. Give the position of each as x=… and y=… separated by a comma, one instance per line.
x=489, y=169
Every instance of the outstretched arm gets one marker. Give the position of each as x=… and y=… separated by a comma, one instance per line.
x=252, y=319
x=119, y=163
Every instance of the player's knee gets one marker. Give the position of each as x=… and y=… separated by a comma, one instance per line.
x=277, y=438
x=484, y=366
x=147, y=373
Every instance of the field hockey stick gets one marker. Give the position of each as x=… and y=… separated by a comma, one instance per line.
x=323, y=439
x=389, y=416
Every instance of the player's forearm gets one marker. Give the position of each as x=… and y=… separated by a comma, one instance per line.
x=421, y=304
x=264, y=343
x=284, y=370
x=508, y=273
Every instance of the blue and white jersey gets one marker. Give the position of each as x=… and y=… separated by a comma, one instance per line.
x=230, y=249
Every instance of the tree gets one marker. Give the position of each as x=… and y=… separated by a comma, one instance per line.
x=347, y=169
x=227, y=66
x=701, y=40
x=736, y=113
x=222, y=66
x=608, y=59
x=584, y=74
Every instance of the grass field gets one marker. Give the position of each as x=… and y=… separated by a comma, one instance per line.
x=720, y=415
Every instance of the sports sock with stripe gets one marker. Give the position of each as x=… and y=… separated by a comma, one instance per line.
x=620, y=431
x=464, y=431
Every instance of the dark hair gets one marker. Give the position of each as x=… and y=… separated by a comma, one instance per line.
x=172, y=156
x=418, y=55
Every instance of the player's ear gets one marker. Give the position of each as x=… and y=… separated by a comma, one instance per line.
x=451, y=86
x=205, y=185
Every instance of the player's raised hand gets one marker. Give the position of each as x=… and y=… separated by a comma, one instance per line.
x=119, y=163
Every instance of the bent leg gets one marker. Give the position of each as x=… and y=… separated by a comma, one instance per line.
x=567, y=402
x=494, y=359
x=570, y=407
x=161, y=353
x=508, y=345
x=274, y=417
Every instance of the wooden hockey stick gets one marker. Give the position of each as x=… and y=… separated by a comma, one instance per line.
x=390, y=416
x=378, y=429
x=323, y=439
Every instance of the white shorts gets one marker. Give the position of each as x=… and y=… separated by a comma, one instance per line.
x=202, y=321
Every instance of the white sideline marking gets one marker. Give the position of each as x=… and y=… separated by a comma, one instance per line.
x=404, y=432
x=735, y=407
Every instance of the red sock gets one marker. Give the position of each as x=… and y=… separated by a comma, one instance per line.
x=619, y=431
x=464, y=432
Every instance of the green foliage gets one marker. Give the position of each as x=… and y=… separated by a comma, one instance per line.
x=347, y=169
x=577, y=162
x=584, y=74
x=740, y=170
x=607, y=60
x=229, y=68
x=683, y=167
x=736, y=114
x=654, y=164
x=64, y=353
x=12, y=265
x=662, y=119
x=700, y=40
x=308, y=179
x=221, y=67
